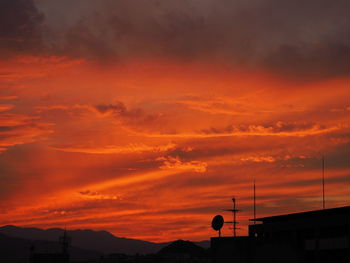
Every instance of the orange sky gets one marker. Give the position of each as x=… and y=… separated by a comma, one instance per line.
x=153, y=146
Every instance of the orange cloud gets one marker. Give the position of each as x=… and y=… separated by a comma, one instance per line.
x=175, y=163
x=16, y=129
x=131, y=148
x=251, y=130
x=164, y=142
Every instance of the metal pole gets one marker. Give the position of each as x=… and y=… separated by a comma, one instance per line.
x=254, y=202
x=323, y=190
x=234, y=216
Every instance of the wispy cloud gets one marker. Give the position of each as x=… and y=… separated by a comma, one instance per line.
x=130, y=148
x=16, y=129
x=250, y=130
x=177, y=164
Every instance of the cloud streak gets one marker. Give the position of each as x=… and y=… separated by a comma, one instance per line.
x=251, y=130
x=131, y=148
x=17, y=129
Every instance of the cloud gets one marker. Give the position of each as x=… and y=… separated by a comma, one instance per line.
x=20, y=27
x=268, y=159
x=304, y=39
x=133, y=118
x=278, y=129
x=176, y=163
x=98, y=196
x=5, y=107
x=319, y=60
x=118, y=108
x=101, y=121
x=62, y=107
x=5, y=98
x=19, y=128
x=16, y=129
x=127, y=149
x=217, y=105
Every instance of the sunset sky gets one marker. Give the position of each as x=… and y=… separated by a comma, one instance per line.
x=145, y=117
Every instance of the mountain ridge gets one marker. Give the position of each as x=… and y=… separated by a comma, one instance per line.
x=101, y=241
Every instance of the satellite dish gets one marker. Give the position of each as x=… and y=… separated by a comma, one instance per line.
x=217, y=223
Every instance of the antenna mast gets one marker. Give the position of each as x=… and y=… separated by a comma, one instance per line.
x=234, y=212
x=234, y=216
x=65, y=242
x=254, y=194
x=323, y=183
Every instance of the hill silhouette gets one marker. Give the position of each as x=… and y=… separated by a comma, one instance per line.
x=183, y=251
x=182, y=247
x=101, y=241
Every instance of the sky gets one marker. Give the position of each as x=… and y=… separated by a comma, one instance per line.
x=145, y=117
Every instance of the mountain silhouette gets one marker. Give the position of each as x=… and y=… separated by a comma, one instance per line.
x=17, y=250
x=101, y=241
x=182, y=247
x=183, y=251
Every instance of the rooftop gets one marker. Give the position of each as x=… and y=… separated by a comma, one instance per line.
x=309, y=214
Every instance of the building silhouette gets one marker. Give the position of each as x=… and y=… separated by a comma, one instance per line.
x=321, y=236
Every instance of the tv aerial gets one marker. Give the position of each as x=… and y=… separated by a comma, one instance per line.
x=217, y=223
x=234, y=221
x=65, y=241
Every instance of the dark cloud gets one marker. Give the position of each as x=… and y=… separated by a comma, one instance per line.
x=117, y=108
x=134, y=116
x=20, y=27
x=278, y=128
x=313, y=60
x=297, y=38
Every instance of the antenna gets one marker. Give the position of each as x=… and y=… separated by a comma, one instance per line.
x=65, y=241
x=323, y=183
x=254, y=194
x=234, y=212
